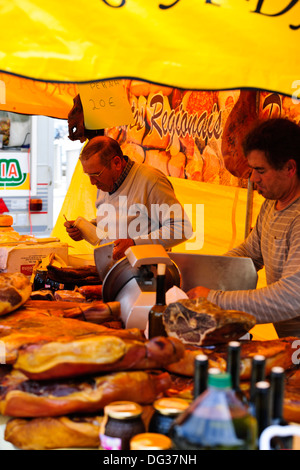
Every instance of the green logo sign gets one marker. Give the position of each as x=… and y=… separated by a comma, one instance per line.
x=11, y=174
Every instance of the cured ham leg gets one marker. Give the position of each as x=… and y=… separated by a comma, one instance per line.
x=31, y=326
x=200, y=323
x=278, y=352
x=54, y=432
x=96, y=354
x=21, y=397
x=240, y=121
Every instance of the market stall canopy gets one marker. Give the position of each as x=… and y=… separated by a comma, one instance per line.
x=201, y=45
x=26, y=96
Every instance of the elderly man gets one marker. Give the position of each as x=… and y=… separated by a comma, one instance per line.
x=273, y=153
x=136, y=203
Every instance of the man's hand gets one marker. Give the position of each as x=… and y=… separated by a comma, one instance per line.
x=198, y=291
x=121, y=246
x=73, y=231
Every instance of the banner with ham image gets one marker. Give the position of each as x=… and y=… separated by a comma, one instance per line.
x=196, y=135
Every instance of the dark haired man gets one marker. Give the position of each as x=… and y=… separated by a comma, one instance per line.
x=273, y=153
x=136, y=203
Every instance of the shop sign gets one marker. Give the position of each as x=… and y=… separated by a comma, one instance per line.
x=14, y=173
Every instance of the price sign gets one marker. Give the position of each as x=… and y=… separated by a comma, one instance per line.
x=105, y=104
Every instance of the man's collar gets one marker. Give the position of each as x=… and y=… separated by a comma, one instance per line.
x=123, y=175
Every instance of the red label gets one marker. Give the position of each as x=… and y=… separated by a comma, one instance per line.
x=26, y=269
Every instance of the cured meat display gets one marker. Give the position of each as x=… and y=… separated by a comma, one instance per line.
x=15, y=289
x=53, y=433
x=43, y=346
x=277, y=352
x=61, y=369
x=21, y=397
x=36, y=326
x=80, y=276
x=92, y=354
x=292, y=397
x=199, y=322
x=94, y=311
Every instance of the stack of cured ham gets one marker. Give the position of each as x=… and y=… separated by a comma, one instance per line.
x=59, y=372
x=65, y=367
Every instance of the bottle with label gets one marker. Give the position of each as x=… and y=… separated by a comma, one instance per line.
x=165, y=411
x=234, y=368
x=277, y=378
x=216, y=420
x=155, y=317
x=200, y=374
x=123, y=420
x=257, y=375
x=150, y=441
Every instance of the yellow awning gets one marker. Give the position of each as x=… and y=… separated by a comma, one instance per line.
x=190, y=44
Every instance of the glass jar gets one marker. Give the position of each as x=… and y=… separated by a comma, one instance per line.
x=123, y=420
x=165, y=411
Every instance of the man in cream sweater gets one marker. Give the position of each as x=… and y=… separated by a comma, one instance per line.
x=136, y=203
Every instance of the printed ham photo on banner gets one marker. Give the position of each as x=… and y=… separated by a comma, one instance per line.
x=149, y=247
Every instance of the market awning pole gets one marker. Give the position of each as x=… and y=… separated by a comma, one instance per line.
x=249, y=208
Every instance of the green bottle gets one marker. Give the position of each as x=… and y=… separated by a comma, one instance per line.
x=155, y=316
x=234, y=368
x=216, y=420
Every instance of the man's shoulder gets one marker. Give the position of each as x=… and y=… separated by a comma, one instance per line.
x=149, y=172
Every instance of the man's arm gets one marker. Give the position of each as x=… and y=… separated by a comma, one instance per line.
x=276, y=302
x=280, y=299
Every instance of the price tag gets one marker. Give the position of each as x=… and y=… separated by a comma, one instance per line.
x=105, y=104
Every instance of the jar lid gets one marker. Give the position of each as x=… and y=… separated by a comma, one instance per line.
x=150, y=441
x=170, y=406
x=123, y=409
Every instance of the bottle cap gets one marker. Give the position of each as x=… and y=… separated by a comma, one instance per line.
x=123, y=410
x=201, y=358
x=277, y=370
x=219, y=380
x=263, y=386
x=150, y=441
x=170, y=406
x=234, y=344
x=259, y=358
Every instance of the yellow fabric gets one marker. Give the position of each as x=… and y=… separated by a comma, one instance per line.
x=220, y=202
x=192, y=44
x=79, y=201
x=26, y=96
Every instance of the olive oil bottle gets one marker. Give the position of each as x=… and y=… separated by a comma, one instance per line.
x=258, y=374
x=216, y=420
x=155, y=316
x=200, y=374
x=277, y=383
x=234, y=368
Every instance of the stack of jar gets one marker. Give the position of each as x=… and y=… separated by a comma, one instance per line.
x=219, y=417
x=123, y=427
